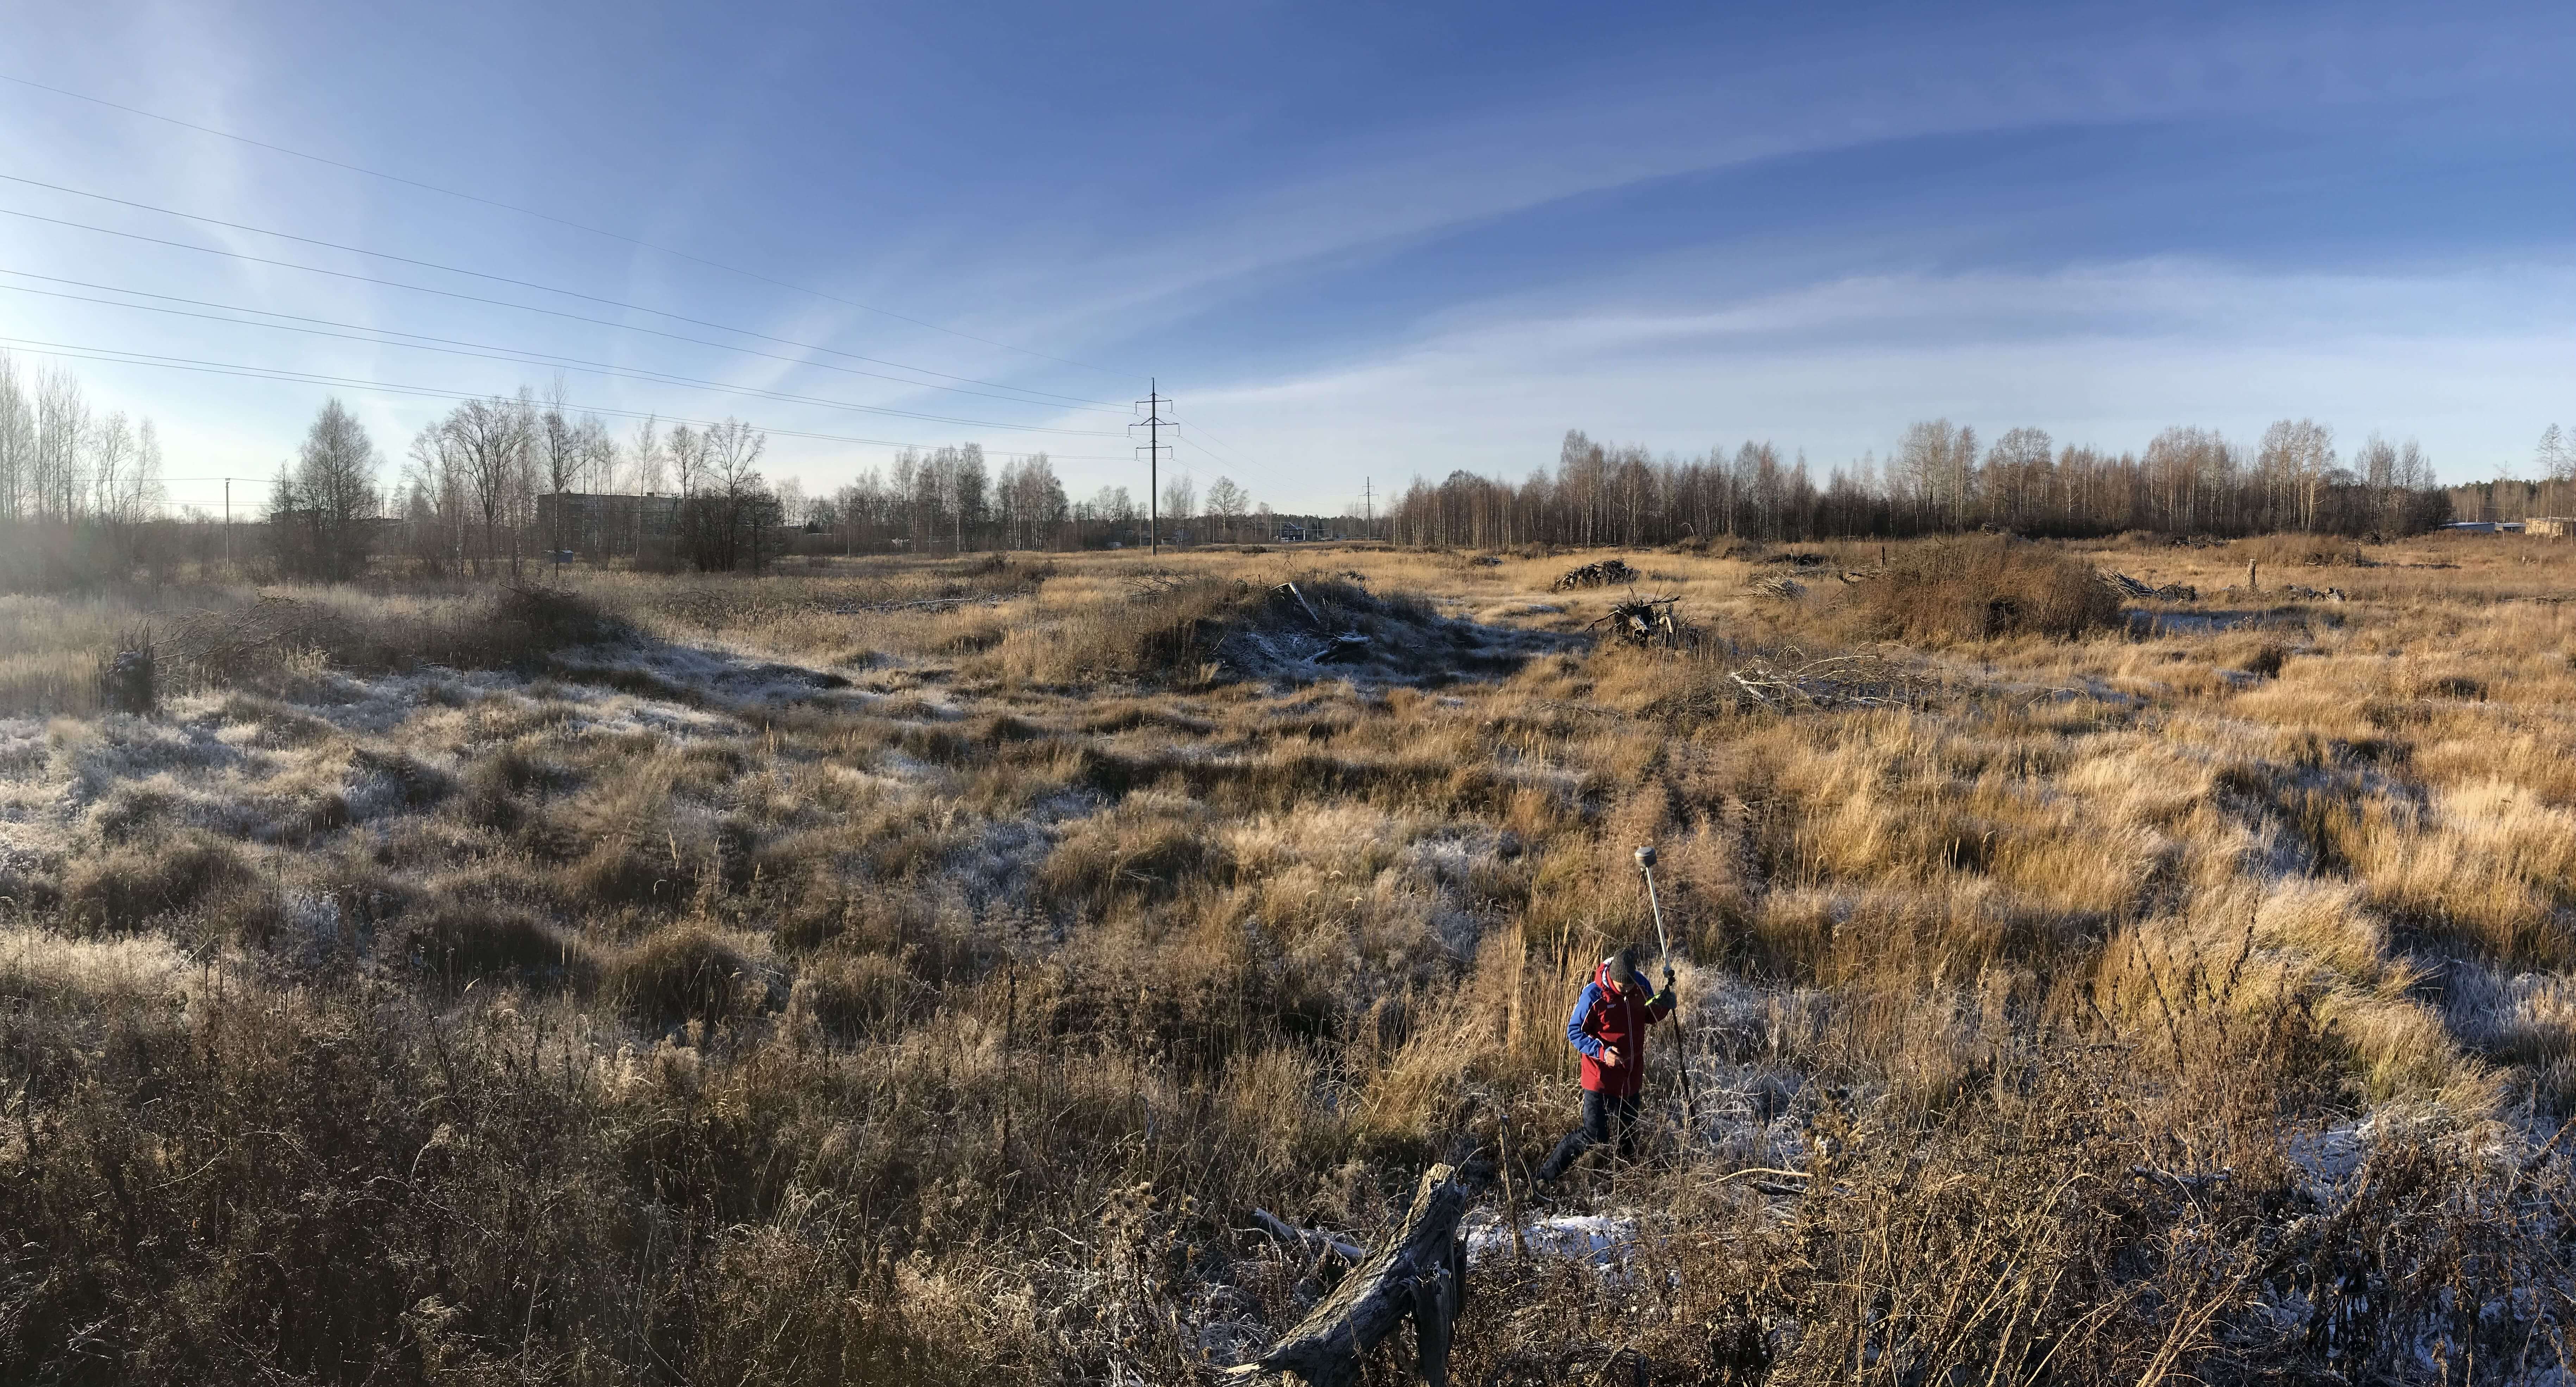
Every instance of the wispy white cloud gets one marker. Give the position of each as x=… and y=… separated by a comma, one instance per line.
x=2454, y=355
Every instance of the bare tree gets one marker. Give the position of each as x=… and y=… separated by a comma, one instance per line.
x=723, y=503
x=144, y=494
x=598, y=454
x=111, y=456
x=2295, y=462
x=1227, y=502
x=433, y=506
x=1180, y=500
x=648, y=463
x=2556, y=456
x=17, y=440
x=560, y=455
x=489, y=438
x=62, y=419
x=325, y=501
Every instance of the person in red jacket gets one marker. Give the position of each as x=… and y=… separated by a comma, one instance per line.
x=1609, y=1027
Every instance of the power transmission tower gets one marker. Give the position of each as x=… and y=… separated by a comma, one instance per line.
x=1368, y=508
x=1153, y=423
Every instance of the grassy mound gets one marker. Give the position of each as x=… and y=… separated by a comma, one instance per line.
x=685, y=973
x=131, y=884
x=1978, y=588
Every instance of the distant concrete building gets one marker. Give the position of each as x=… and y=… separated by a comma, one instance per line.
x=2551, y=526
x=600, y=526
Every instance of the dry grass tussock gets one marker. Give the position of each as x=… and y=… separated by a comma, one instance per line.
x=922, y=969
x=1979, y=587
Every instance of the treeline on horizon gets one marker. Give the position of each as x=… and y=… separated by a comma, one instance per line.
x=1939, y=480
x=496, y=485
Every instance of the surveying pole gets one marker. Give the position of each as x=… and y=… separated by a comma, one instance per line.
x=1681, y=1038
x=1154, y=448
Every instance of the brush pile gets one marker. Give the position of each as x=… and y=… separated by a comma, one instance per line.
x=1791, y=680
x=1779, y=585
x=1647, y=622
x=1601, y=574
x=2132, y=590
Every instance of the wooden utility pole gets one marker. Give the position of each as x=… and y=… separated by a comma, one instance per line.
x=1153, y=450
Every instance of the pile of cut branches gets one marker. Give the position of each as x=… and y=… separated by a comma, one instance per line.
x=1600, y=574
x=1648, y=621
x=2135, y=591
x=1789, y=679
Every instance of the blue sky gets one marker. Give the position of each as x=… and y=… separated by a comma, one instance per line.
x=1353, y=242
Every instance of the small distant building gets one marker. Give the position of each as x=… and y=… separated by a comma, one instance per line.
x=2551, y=526
x=2471, y=527
x=604, y=526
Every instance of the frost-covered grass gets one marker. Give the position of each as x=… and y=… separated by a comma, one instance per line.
x=924, y=967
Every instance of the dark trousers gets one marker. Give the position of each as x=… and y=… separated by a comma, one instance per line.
x=1604, y=1116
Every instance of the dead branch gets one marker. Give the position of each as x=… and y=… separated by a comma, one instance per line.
x=1841, y=681
x=1291, y=590
x=1307, y=1237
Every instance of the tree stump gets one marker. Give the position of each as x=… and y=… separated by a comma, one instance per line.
x=1420, y=1273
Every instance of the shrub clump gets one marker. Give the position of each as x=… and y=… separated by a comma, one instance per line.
x=1978, y=588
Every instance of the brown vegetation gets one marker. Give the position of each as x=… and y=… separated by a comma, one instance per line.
x=922, y=970
x=1980, y=587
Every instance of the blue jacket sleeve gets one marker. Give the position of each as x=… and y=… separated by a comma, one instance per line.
x=1574, y=1031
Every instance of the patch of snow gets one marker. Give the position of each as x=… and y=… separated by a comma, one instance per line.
x=1601, y=1240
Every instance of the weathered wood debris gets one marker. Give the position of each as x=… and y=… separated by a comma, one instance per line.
x=1340, y=647
x=1600, y=574
x=2133, y=590
x=1791, y=680
x=1420, y=1273
x=1647, y=621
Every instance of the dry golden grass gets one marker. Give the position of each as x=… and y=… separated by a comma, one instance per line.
x=922, y=968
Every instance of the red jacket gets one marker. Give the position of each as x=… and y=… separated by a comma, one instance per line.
x=1608, y=1014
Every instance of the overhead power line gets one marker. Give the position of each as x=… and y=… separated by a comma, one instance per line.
x=559, y=221
x=80, y=352
x=495, y=278
x=1195, y=439
x=485, y=351
x=477, y=298
x=558, y=363
x=1206, y=437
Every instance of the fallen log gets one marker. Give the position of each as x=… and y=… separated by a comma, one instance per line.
x=1419, y=1274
